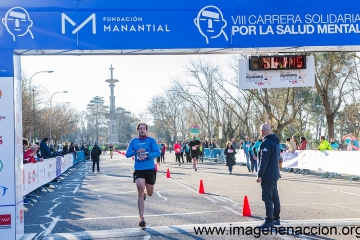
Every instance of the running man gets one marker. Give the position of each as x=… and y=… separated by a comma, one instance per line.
x=111, y=149
x=144, y=149
x=194, y=147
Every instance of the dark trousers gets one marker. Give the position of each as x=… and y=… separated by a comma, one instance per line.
x=177, y=157
x=162, y=156
x=188, y=157
x=97, y=161
x=182, y=156
x=270, y=196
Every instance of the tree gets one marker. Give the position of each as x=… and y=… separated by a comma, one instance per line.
x=333, y=75
x=97, y=110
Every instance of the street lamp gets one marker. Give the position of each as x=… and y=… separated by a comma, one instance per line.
x=34, y=101
x=51, y=110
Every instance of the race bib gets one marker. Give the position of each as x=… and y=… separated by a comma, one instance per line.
x=193, y=147
x=142, y=154
x=247, y=145
x=230, y=150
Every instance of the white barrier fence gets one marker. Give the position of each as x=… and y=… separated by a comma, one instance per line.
x=38, y=174
x=346, y=162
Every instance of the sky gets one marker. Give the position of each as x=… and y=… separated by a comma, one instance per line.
x=140, y=77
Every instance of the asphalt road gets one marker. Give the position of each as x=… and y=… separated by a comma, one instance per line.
x=95, y=206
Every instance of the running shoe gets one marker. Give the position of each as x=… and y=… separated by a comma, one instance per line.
x=277, y=223
x=195, y=169
x=142, y=223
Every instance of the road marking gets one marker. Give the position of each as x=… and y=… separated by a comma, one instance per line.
x=147, y=237
x=76, y=189
x=232, y=210
x=219, y=198
x=189, y=229
x=160, y=196
x=210, y=199
x=146, y=216
x=51, y=226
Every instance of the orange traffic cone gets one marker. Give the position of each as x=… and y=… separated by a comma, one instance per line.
x=168, y=173
x=246, y=208
x=201, y=188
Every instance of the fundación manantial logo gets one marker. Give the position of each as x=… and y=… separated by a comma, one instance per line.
x=17, y=22
x=211, y=23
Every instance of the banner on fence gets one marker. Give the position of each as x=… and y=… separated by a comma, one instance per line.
x=38, y=174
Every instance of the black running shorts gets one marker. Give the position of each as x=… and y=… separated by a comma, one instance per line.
x=194, y=154
x=148, y=175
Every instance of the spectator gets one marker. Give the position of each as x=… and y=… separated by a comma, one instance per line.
x=294, y=139
x=291, y=145
x=170, y=146
x=177, y=149
x=234, y=144
x=303, y=143
x=66, y=148
x=333, y=144
x=230, y=152
x=201, y=152
x=72, y=148
x=324, y=144
x=38, y=152
x=206, y=144
x=76, y=147
x=95, y=155
x=257, y=146
x=44, y=148
x=163, y=150
x=248, y=151
x=187, y=152
x=82, y=148
x=351, y=142
x=213, y=145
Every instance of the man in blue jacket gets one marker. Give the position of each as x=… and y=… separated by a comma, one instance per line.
x=268, y=175
x=44, y=149
x=144, y=149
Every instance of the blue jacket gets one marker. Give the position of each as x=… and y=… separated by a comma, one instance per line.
x=257, y=146
x=151, y=148
x=45, y=150
x=247, y=147
x=268, y=160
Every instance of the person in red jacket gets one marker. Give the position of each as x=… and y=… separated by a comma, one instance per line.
x=29, y=155
x=177, y=149
x=163, y=149
x=303, y=143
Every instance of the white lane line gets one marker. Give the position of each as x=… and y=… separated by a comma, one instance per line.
x=219, y=198
x=210, y=199
x=86, y=173
x=146, y=216
x=52, y=226
x=232, y=210
x=76, y=189
x=160, y=196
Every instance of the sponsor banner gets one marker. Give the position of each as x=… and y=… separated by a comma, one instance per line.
x=7, y=166
x=113, y=24
x=7, y=222
x=38, y=174
x=281, y=78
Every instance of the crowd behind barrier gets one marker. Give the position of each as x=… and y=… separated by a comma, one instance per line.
x=344, y=162
x=36, y=175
